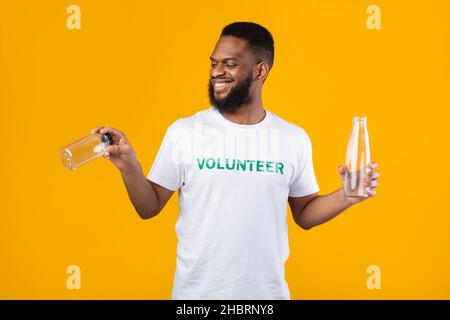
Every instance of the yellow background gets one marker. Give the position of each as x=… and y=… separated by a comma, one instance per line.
x=140, y=65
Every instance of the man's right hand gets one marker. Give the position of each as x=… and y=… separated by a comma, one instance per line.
x=120, y=153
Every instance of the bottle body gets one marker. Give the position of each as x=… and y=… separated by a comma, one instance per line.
x=357, y=159
x=84, y=150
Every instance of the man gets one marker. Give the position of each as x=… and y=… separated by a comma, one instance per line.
x=236, y=166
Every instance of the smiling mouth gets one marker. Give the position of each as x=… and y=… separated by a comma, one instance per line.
x=221, y=85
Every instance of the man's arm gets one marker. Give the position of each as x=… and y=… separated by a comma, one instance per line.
x=313, y=210
x=147, y=197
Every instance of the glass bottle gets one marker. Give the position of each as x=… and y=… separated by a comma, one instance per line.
x=84, y=150
x=357, y=160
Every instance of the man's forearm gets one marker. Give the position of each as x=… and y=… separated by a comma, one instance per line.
x=141, y=193
x=322, y=209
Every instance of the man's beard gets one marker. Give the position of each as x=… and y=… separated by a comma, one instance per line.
x=236, y=97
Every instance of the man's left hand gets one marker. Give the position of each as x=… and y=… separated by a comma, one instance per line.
x=370, y=182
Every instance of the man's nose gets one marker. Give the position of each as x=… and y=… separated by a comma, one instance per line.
x=217, y=71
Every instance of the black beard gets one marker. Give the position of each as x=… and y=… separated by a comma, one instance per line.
x=237, y=96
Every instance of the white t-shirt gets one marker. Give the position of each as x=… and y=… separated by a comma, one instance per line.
x=234, y=182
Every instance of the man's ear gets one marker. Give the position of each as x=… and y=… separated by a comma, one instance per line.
x=262, y=70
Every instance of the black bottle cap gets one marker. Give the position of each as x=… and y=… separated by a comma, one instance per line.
x=108, y=139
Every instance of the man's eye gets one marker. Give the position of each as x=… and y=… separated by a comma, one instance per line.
x=231, y=65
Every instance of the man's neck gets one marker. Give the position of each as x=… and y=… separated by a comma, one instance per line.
x=247, y=114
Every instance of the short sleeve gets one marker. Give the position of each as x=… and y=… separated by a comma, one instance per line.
x=304, y=180
x=167, y=170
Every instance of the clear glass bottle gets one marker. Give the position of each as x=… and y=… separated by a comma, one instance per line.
x=357, y=160
x=84, y=150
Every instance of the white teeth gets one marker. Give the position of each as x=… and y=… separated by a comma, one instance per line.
x=220, y=84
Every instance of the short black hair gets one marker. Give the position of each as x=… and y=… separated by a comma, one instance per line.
x=259, y=38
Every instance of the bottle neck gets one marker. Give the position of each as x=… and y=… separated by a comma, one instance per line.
x=360, y=122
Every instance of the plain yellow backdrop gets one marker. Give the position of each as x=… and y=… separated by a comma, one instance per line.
x=140, y=65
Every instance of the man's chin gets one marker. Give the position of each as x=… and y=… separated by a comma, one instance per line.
x=219, y=101
x=220, y=96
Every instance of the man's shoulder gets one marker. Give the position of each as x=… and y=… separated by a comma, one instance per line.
x=290, y=128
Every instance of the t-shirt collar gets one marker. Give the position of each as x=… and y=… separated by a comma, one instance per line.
x=228, y=123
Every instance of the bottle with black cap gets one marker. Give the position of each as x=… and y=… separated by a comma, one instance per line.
x=85, y=150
